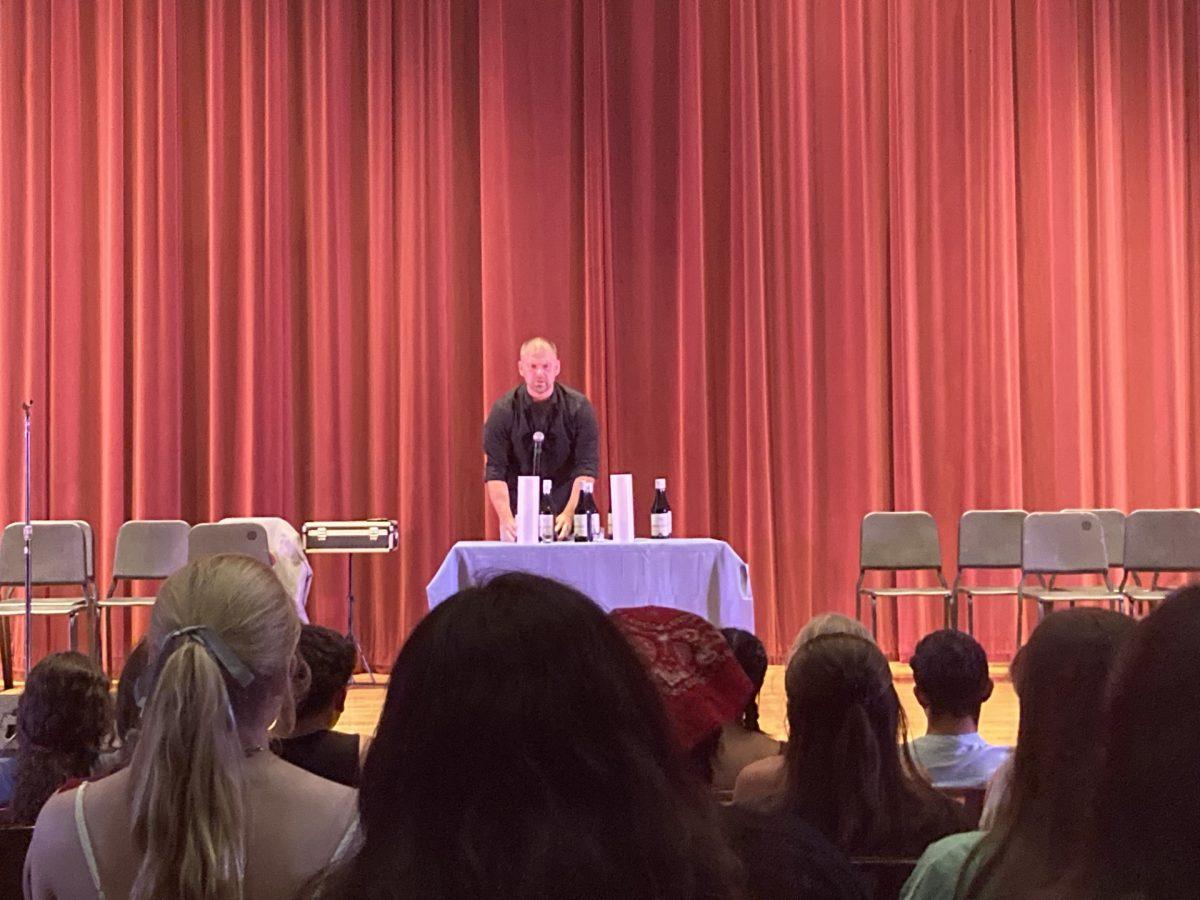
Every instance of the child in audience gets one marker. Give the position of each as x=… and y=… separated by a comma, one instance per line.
x=1143, y=840
x=523, y=752
x=701, y=684
x=843, y=767
x=742, y=742
x=313, y=744
x=202, y=811
x=64, y=717
x=950, y=671
x=1060, y=677
x=764, y=778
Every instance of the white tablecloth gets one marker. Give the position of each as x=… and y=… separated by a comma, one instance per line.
x=702, y=576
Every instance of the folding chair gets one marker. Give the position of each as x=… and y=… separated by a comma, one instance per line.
x=899, y=542
x=1113, y=523
x=1158, y=541
x=246, y=538
x=59, y=557
x=1064, y=543
x=988, y=539
x=147, y=550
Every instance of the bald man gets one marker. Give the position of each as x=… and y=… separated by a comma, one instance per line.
x=570, y=451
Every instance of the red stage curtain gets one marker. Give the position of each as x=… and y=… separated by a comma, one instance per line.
x=809, y=259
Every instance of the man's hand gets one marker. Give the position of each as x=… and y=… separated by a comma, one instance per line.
x=508, y=530
x=564, y=524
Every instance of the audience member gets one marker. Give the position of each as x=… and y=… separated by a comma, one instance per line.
x=313, y=744
x=202, y=811
x=1144, y=835
x=701, y=683
x=843, y=765
x=523, y=752
x=742, y=742
x=64, y=717
x=950, y=672
x=1060, y=677
x=765, y=778
x=129, y=713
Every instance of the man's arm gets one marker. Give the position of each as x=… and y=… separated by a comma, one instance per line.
x=497, y=493
x=496, y=439
x=564, y=522
x=587, y=463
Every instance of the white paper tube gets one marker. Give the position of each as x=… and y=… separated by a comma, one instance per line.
x=620, y=488
x=527, y=509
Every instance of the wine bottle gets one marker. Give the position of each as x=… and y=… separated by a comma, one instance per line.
x=660, y=511
x=546, y=515
x=596, y=523
x=583, y=514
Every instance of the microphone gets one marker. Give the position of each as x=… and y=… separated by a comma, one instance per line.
x=538, y=437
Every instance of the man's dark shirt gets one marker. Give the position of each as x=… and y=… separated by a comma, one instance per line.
x=571, y=448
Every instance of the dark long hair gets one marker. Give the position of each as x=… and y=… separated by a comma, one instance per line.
x=523, y=752
x=1060, y=677
x=1145, y=822
x=844, y=772
x=63, y=718
x=752, y=656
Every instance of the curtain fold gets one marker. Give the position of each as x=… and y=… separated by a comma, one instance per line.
x=808, y=259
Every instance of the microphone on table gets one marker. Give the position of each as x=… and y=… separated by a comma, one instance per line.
x=538, y=437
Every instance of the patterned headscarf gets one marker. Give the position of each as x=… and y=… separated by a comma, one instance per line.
x=701, y=682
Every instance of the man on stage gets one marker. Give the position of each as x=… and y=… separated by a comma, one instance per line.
x=570, y=450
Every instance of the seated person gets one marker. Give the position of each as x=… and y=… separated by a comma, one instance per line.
x=129, y=714
x=701, y=684
x=742, y=741
x=313, y=744
x=64, y=717
x=950, y=672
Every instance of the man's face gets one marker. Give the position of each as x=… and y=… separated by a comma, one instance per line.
x=539, y=368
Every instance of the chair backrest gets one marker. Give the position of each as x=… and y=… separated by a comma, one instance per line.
x=14, y=845
x=211, y=538
x=899, y=540
x=1113, y=523
x=88, y=539
x=58, y=551
x=990, y=538
x=148, y=548
x=1162, y=540
x=1063, y=543
x=971, y=799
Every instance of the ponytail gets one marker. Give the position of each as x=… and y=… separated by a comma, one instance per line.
x=188, y=783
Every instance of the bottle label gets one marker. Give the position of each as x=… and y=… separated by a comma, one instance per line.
x=546, y=527
x=660, y=525
x=581, y=525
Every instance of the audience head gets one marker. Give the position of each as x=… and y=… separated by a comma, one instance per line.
x=950, y=672
x=330, y=657
x=1060, y=676
x=1146, y=818
x=221, y=647
x=64, y=717
x=129, y=713
x=844, y=772
x=751, y=655
x=701, y=683
x=522, y=751
x=827, y=623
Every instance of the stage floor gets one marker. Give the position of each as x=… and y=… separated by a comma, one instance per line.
x=998, y=720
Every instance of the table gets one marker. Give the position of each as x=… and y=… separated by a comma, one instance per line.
x=703, y=576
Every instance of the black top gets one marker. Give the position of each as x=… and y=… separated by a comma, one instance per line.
x=571, y=447
x=330, y=754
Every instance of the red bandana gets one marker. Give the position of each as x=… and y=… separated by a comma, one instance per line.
x=701, y=682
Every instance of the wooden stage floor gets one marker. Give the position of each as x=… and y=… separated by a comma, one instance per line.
x=998, y=720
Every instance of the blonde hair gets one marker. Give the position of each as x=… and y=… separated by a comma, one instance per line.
x=537, y=345
x=187, y=773
x=827, y=623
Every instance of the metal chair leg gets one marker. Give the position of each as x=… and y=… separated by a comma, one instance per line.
x=6, y=661
x=72, y=632
x=875, y=617
x=971, y=614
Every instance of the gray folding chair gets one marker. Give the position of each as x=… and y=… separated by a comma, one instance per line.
x=1158, y=541
x=246, y=538
x=988, y=539
x=899, y=542
x=59, y=558
x=147, y=550
x=1113, y=523
x=1065, y=543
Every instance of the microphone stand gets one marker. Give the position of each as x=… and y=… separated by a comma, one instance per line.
x=28, y=535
